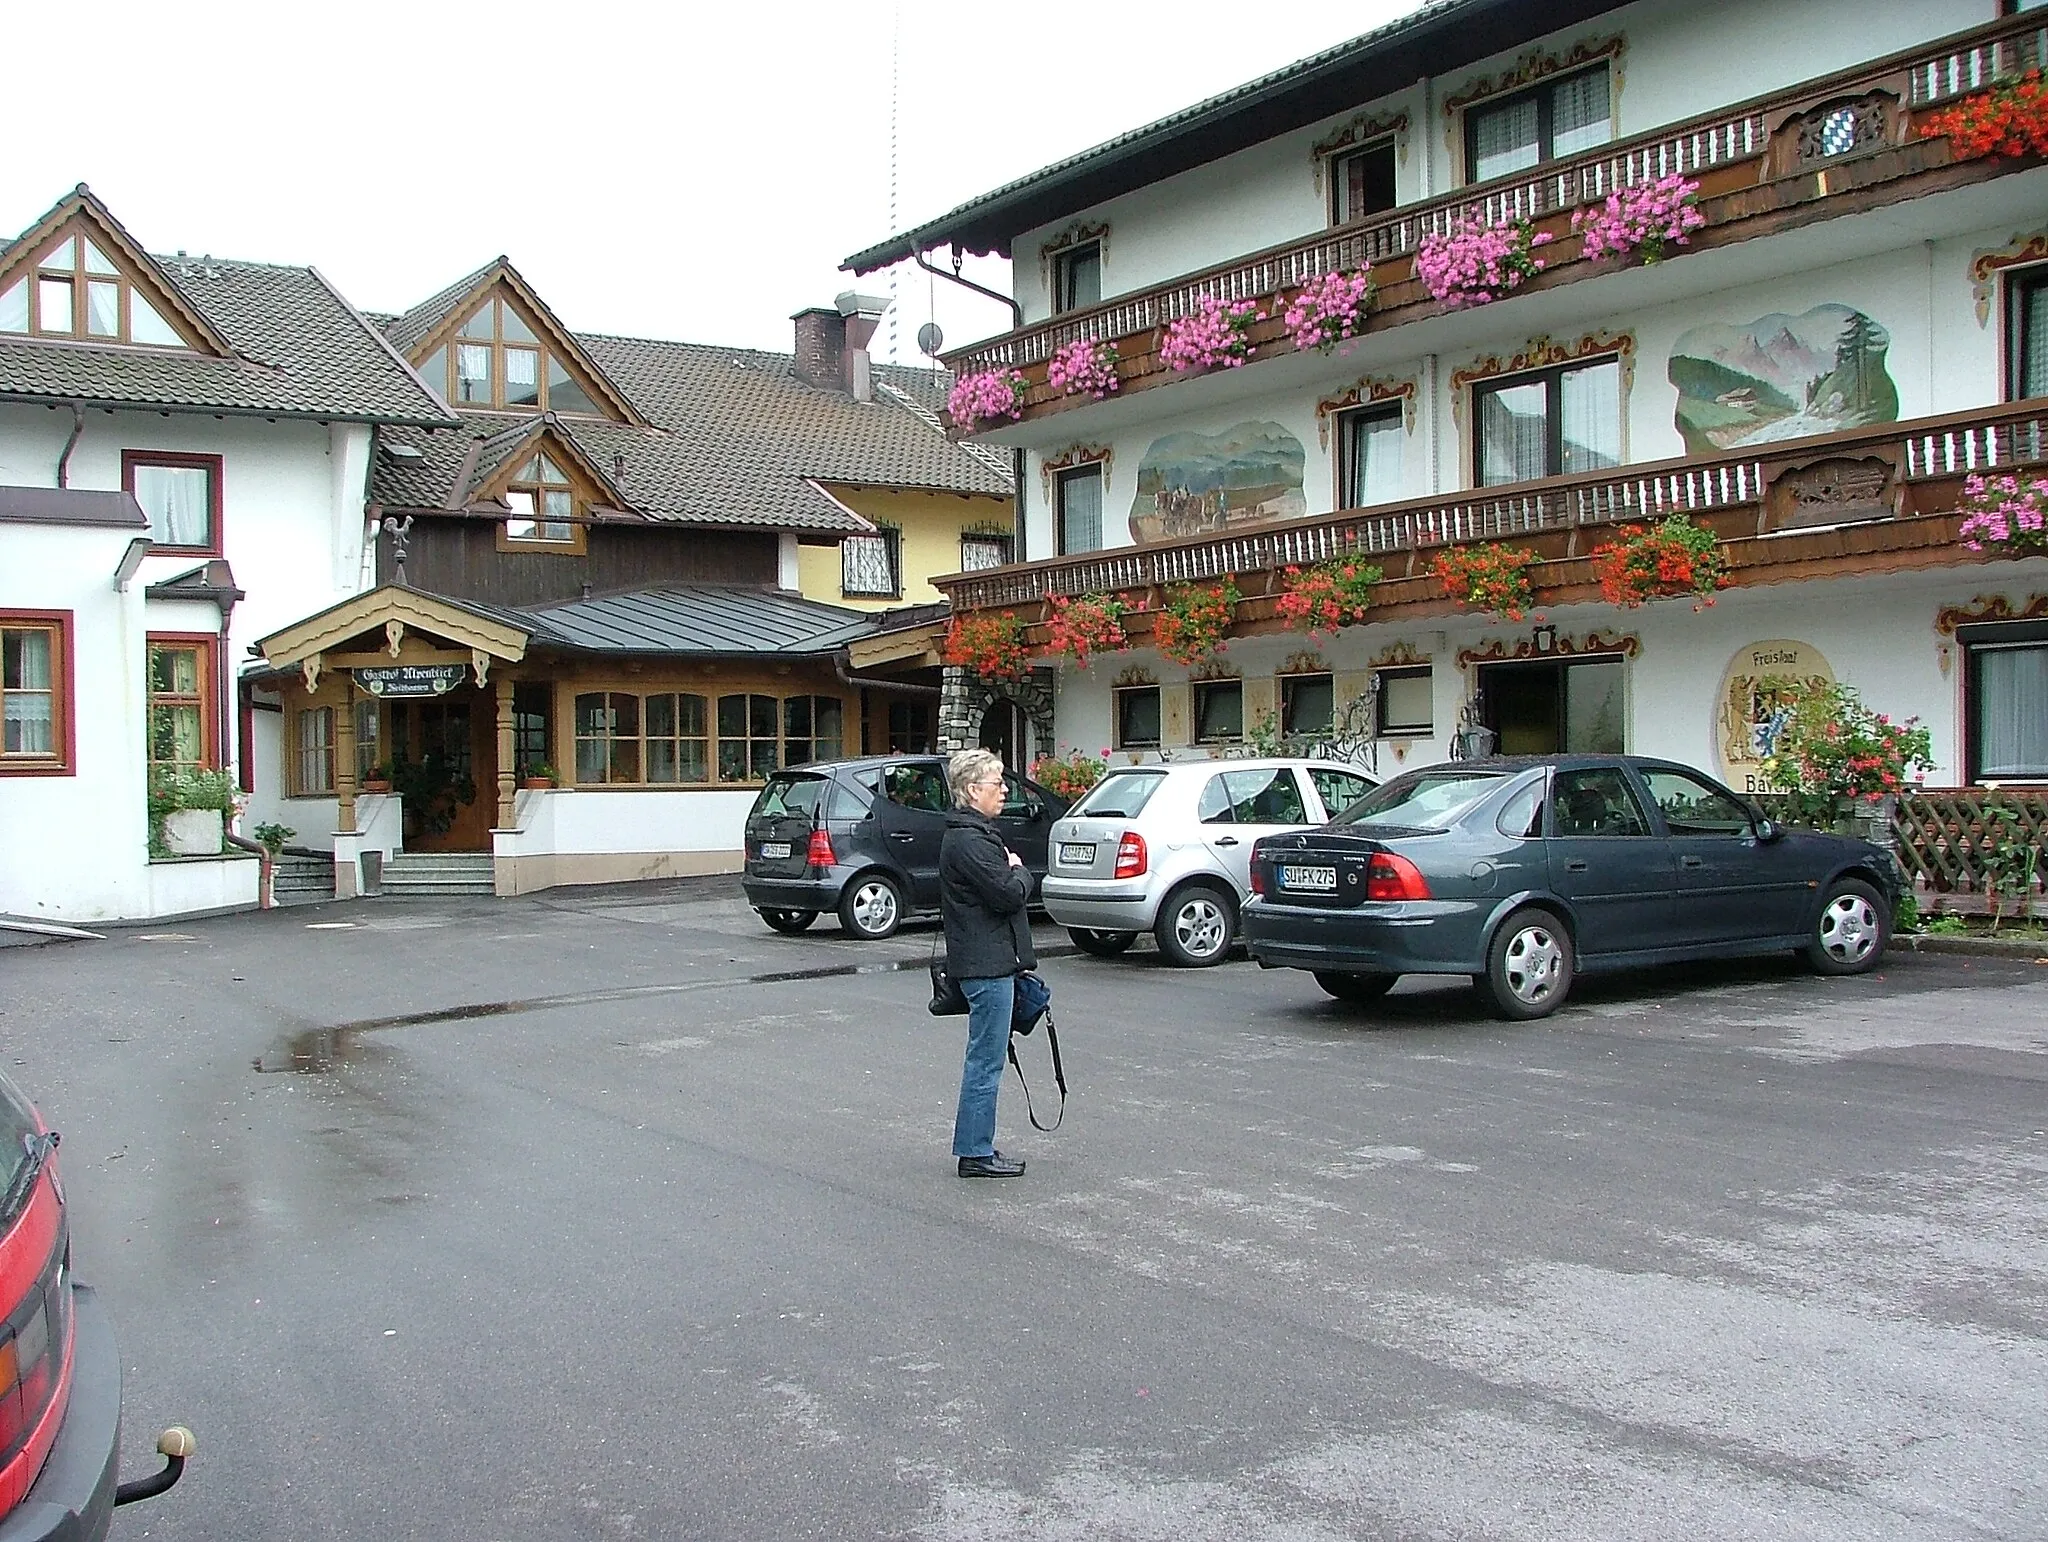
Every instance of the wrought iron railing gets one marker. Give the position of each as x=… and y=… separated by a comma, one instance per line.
x=1934, y=73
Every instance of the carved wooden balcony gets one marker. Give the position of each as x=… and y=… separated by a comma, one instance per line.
x=1870, y=500
x=1832, y=146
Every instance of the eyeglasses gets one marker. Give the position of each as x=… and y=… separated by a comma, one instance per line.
x=987, y=781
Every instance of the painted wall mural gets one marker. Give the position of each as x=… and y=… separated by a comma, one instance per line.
x=1781, y=377
x=1199, y=484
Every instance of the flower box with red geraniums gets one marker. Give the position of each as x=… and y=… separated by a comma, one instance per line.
x=1494, y=578
x=992, y=646
x=1190, y=626
x=1085, y=625
x=1475, y=263
x=1648, y=562
x=1084, y=367
x=1213, y=333
x=2011, y=121
x=1069, y=776
x=1648, y=217
x=1327, y=596
x=2004, y=513
x=1329, y=309
x=988, y=396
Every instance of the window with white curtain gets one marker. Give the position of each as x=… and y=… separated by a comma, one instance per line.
x=181, y=496
x=1369, y=456
x=1078, y=494
x=983, y=549
x=868, y=564
x=1557, y=118
x=1556, y=422
x=2007, y=703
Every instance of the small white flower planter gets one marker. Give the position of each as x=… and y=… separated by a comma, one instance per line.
x=193, y=832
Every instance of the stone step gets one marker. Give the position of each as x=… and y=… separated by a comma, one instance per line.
x=302, y=877
x=439, y=873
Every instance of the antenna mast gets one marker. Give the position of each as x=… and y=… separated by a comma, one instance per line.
x=895, y=72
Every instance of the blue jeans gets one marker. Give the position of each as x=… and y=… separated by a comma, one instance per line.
x=990, y=1004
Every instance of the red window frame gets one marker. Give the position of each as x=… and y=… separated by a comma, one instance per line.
x=130, y=459
x=63, y=697
x=207, y=646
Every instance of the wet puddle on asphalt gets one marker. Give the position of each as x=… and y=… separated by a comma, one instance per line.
x=317, y=1051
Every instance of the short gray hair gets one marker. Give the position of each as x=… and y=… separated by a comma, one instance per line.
x=968, y=767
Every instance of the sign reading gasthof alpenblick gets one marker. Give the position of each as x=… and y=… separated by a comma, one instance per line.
x=401, y=680
x=1751, y=708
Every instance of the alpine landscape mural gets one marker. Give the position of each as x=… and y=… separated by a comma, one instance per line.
x=1781, y=377
x=1198, y=484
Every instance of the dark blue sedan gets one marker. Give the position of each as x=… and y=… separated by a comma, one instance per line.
x=1525, y=872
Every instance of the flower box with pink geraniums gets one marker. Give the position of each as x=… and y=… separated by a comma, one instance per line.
x=1649, y=217
x=1329, y=308
x=1215, y=333
x=987, y=396
x=1475, y=263
x=1084, y=367
x=2004, y=514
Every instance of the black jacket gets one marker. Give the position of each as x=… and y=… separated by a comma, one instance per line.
x=982, y=899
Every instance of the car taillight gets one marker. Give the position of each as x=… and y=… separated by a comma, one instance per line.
x=1389, y=877
x=1258, y=877
x=820, y=852
x=35, y=1339
x=1130, y=855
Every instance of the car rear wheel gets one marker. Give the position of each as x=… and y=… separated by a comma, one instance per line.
x=790, y=921
x=1529, y=966
x=870, y=908
x=1101, y=944
x=1355, y=987
x=1196, y=927
x=1852, y=932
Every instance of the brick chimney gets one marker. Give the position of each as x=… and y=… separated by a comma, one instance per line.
x=820, y=348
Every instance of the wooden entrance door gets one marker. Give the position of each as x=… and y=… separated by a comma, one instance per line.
x=451, y=743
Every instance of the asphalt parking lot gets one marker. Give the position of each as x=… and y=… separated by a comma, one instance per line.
x=613, y=1214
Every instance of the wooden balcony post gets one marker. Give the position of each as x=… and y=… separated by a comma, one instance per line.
x=508, y=773
x=345, y=755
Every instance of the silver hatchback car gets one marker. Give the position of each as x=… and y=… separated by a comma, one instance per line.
x=1168, y=848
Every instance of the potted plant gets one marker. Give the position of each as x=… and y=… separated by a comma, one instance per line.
x=188, y=811
x=2004, y=514
x=1326, y=596
x=1212, y=334
x=539, y=775
x=1474, y=263
x=1069, y=775
x=1329, y=308
x=1081, y=626
x=272, y=836
x=377, y=779
x=2009, y=120
x=986, y=397
x=1647, y=217
x=1191, y=624
x=1647, y=562
x=1494, y=578
x=1084, y=367
x=990, y=645
x=1841, y=761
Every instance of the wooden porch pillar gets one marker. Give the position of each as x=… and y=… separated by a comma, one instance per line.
x=345, y=754
x=508, y=773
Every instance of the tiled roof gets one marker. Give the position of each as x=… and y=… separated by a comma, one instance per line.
x=736, y=440
x=409, y=327
x=694, y=619
x=302, y=351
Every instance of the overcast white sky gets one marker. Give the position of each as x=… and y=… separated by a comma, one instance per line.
x=665, y=170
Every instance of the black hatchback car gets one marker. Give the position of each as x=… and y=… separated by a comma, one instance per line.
x=861, y=838
x=1523, y=872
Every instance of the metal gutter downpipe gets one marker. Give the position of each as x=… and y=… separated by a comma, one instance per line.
x=861, y=682
x=64, y=460
x=1017, y=553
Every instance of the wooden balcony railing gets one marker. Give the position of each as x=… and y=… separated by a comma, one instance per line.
x=1739, y=147
x=1892, y=472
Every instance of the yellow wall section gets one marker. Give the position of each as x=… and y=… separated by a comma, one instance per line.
x=931, y=525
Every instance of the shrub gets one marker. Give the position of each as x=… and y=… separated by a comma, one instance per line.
x=1827, y=745
x=1069, y=775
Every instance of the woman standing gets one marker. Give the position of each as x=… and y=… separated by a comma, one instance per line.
x=983, y=888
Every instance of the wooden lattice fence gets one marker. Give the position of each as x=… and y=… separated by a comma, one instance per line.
x=1944, y=838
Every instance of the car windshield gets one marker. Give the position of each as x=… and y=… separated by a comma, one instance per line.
x=18, y=1152
x=1428, y=800
x=787, y=794
x=1120, y=795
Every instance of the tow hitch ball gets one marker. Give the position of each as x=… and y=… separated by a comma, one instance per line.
x=174, y=1444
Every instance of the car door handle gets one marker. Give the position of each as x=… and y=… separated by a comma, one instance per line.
x=1226, y=840
x=1575, y=867
x=901, y=835
x=1692, y=861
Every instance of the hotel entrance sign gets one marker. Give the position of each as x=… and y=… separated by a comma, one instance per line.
x=397, y=681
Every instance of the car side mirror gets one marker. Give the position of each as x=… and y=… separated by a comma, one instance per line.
x=1767, y=831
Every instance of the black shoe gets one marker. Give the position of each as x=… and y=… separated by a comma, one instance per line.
x=994, y=1165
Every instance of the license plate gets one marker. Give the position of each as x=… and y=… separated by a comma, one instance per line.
x=1077, y=853
x=775, y=848
x=1312, y=880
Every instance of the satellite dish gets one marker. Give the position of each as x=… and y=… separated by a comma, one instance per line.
x=930, y=339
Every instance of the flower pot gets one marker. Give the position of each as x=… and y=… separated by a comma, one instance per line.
x=537, y=783
x=193, y=832
x=375, y=784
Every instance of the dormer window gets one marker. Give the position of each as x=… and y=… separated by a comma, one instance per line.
x=543, y=504
x=496, y=360
x=76, y=290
